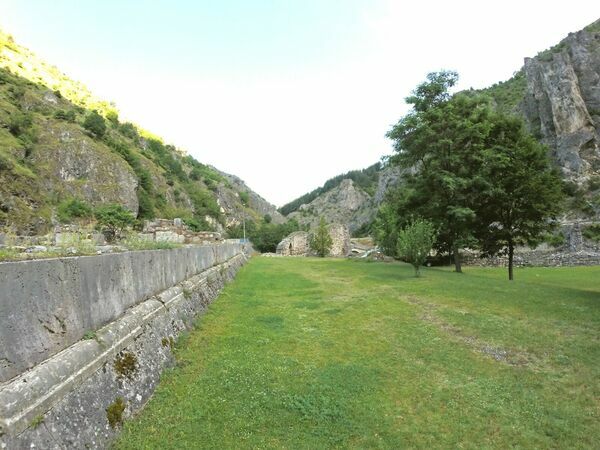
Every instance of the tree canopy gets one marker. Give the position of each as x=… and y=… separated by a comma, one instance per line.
x=476, y=174
x=415, y=241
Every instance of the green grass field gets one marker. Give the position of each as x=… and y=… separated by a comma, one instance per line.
x=309, y=353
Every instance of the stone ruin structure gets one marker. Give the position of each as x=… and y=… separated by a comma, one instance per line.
x=165, y=230
x=340, y=235
x=297, y=243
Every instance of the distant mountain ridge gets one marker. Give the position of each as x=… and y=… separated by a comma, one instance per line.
x=50, y=154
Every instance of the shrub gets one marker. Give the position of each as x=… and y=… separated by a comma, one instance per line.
x=95, y=124
x=19, y=123
x=146, y=205
x=128, y=130
x=555, y=240
x=73, y=209
x=594, y=183
x=68, y=115
x=244, y=198
x=114, y=219
x=415, y=241
x=113, y=117
x=592, y=232
x=196, y=224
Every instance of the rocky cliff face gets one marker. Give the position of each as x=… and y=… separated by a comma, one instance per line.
x=347, y=203
x=562, y=102
x=235, y=191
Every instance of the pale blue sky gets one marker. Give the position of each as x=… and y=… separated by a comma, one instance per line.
x=284, y=94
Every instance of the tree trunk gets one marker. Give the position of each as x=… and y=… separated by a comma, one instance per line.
x=457, y=262
x=417, y=272
x=511, y=253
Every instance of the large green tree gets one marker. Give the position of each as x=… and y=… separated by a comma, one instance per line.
x=442, y=140
x=523, y=192
x=477, y=174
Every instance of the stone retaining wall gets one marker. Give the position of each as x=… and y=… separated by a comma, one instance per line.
x=539, y=258
x=131, y=307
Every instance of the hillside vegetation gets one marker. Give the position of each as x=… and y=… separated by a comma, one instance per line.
x=322, y=353
x=59, y=143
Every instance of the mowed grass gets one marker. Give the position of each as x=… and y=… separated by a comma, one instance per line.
x=322, y=353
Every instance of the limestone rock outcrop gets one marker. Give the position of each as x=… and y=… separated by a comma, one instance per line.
x=71, y=162
x=344, y=204
x=228, y=198
x=347, y=203
x=562, y=102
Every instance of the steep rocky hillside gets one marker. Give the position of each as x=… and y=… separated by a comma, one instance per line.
x=54, y=150
x=557, y=93
x=366, y=179
x=348, y=203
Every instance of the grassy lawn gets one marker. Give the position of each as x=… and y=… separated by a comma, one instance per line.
x=309, y=353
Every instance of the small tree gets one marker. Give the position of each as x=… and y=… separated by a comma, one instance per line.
x=415, y=241
x=95, y=124
x=320, y=240
x=114, y=219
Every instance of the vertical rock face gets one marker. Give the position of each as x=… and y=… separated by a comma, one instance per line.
x=562, y=103
x=345, y=204
x=228, y=198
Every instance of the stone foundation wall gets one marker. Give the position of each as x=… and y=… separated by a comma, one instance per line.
x=65, y=401
x=538, y=258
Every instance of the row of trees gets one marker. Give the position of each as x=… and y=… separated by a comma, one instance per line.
x=476, y=175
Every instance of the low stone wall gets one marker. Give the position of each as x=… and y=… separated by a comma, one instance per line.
x=541, y=258
x=131, y=307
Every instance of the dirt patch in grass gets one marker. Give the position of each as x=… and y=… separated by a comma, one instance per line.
x=508, y=356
